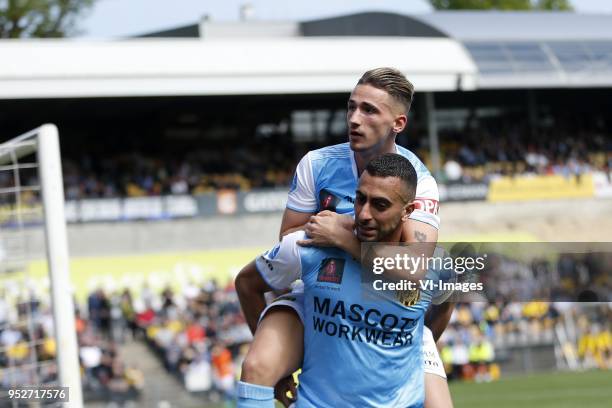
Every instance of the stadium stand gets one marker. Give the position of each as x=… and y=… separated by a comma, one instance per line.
x=489, y=148
x=104, y=375
x=199, y=335
x=482, y=154
x=533, y=99
x=475, y=155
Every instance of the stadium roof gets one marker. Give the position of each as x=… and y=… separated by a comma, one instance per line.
x=442, y=51
x=521, y=25
x=159, y=67
x=461, y=25
x=511, y=49
x=533, y=49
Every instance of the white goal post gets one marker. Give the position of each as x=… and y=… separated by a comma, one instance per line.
x=44, y=141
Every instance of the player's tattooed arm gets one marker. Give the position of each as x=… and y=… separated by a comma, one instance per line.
x=420, y=236
x=418, y=231
x=424, y=237
x=439, y=315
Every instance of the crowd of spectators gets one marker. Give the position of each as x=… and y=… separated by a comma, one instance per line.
x=507, y=149
x=199, y=334
x=594, y=335
x=478, y=155
x=523, y=304
x=473, y=154
x=480, y=334
x=24, y=342
x=582, y=276
x=476, y=330
x=28, y=350
x=136, y=174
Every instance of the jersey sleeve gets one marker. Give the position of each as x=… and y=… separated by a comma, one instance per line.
x=441, y=273
x=302, y=196
x=281, y=265
x=427, y=202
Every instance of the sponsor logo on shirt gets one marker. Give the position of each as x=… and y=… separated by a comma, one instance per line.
x=359, y=323
x=427, y=205
x=328, y=201
x=331, y=270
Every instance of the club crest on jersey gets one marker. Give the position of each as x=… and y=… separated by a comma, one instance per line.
x=331, y=270
x=328, y=201
x=408, y=297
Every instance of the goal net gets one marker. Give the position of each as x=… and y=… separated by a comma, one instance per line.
x=38, y=343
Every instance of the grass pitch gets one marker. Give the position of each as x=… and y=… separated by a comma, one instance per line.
x=132, y=271
x=559, y=390
x=176, y=268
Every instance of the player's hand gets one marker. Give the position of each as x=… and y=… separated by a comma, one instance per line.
x=346, y=221
x=326, y=229
x=281, y=389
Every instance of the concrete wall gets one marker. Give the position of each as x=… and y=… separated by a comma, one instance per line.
x=562, y=221
x=569, y=220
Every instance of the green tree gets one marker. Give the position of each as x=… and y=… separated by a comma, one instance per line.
x=41, y=18
x=501, y=4
x=554, y=5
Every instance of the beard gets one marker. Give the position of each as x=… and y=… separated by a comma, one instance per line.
x=385, y=231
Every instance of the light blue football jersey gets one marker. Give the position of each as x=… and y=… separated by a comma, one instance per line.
x=327, y=179
x=361, y=348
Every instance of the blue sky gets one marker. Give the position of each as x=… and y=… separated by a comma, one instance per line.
x=113, y=18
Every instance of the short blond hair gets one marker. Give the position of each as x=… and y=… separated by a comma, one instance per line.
x=391, y=81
